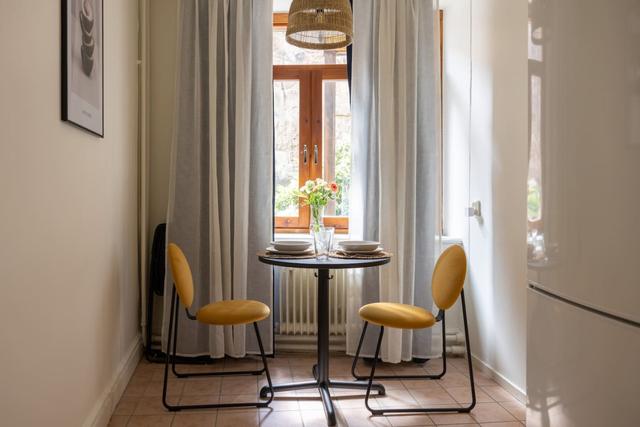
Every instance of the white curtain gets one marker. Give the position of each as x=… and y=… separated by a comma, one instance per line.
x=394, y=191
x=220, y=202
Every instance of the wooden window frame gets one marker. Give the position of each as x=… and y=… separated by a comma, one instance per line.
x=310, y=78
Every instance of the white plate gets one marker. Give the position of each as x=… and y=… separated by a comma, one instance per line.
x=307, y=251
x=353, y=252
x=291, y=245
x=359, y=245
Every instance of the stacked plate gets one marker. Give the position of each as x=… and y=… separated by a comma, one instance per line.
x=291, y=247
x=359, y=247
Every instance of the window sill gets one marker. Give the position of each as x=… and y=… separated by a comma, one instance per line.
x=451, y=240
x=446, y=240
x=306, y=236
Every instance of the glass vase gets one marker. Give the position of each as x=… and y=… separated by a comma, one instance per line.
x=323, y=242
x=317, y=218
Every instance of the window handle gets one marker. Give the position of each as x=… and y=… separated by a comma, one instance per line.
x=304, y=154
x=315, y=154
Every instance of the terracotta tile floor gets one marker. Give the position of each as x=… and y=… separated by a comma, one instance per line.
x=141, y=403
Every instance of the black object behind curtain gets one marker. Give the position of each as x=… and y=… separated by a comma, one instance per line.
x=349, y=55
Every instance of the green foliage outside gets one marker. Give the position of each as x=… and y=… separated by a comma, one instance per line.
x=534, y=201
x=286, y=196
x=343, y=178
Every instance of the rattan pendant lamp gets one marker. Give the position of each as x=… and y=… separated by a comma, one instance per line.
x=320, y=24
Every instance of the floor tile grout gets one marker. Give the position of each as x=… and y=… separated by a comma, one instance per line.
x=143, y=395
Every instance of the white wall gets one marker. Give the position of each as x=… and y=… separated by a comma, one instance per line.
x=497, y=164
x=68, y=224
x=455, y=103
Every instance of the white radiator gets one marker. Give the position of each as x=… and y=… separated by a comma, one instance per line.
x=298, y=318
x=298, y=299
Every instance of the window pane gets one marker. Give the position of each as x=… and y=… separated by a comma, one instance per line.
x=285, y=53
x=534, y=196
x=281, y=5
x=336, y=137
x=286, y=113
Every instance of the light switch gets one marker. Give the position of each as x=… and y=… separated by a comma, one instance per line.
x=475, y=209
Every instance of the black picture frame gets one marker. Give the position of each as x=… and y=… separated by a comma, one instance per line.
x=82, y=64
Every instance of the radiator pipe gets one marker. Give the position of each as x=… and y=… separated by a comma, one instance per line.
x=455, y=338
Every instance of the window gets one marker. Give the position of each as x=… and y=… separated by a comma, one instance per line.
x=312, y=127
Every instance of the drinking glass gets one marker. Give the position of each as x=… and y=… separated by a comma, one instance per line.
x=322, y=240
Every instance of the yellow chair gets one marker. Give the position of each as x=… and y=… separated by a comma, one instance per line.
x=231, y=312
x=446, y=285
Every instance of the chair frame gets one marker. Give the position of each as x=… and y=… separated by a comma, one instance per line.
x=372, y=376
x=172, y=341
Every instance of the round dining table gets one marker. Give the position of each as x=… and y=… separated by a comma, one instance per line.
x=321, y=369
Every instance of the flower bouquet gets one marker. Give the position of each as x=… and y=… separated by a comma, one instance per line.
x=317, y=194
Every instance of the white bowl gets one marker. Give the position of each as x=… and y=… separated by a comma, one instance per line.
x=308, y=251
x=359, y=245
x=291, y=245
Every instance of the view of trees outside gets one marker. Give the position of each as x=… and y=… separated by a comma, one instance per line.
x=534, y=208
x=337, y=142
x=286, y=111
x=336, y=128
x=286, y=54
x=534, y=188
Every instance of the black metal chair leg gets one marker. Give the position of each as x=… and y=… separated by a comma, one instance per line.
x=357, y=356
x=444, y=347
x=438, y=376
x=467, y=342
x=172, y=339
x=373, y=372
x=264, y=363
x=168, y=353
x=429, y=410
x=175, y=339
x=201, y=374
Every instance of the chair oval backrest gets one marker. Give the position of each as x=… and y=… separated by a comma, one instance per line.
x=182, y=278
x=448, y=277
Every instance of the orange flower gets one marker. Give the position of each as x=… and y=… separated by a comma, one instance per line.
x=334, y=187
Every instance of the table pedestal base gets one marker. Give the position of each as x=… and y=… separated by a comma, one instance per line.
x=323, y=388
x=321, y=370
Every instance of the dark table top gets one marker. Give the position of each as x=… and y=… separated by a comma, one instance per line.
x=329, y=263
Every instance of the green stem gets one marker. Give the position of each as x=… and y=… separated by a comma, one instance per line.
x=316, y=217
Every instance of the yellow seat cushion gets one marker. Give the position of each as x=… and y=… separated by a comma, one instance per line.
x=233, y=312
x=394, y=315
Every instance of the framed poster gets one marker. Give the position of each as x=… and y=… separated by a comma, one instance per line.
x=83, y=64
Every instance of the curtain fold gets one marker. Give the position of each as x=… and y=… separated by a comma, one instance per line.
x=395, y=108
x=350, y=58
x=222, y=165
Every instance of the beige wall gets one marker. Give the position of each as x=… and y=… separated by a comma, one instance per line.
x=68, y=222
x=163, y=23
x=492, y=168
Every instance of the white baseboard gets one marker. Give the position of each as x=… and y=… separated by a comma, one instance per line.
x=306, y=343
x=101, y=413
x=520, y=394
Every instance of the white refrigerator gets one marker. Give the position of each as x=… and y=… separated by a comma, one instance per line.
x=583, y=332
